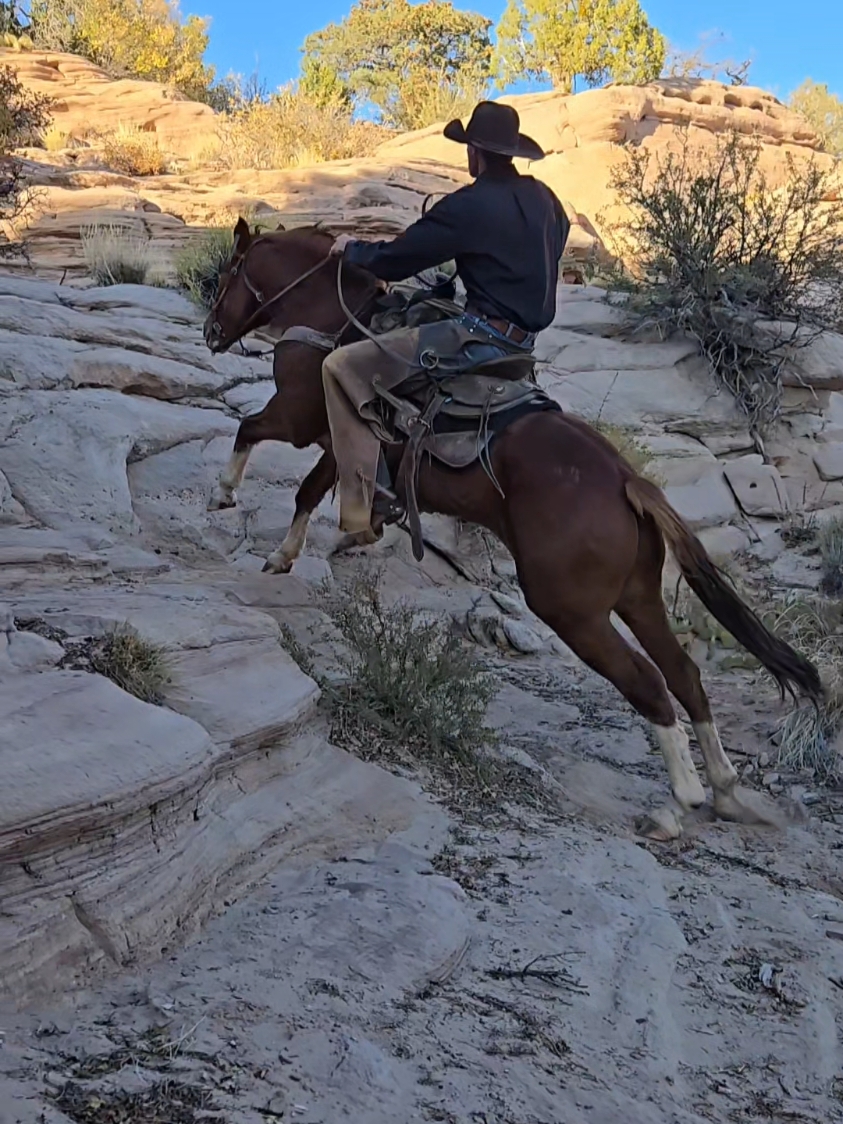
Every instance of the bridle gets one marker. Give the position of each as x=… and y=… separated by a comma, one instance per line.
x=263, y=303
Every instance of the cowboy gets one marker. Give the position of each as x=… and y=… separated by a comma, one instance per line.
x=506, y=233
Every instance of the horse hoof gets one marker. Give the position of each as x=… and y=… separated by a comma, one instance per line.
x=661, y=825
x=277, y=565
x=221, y=502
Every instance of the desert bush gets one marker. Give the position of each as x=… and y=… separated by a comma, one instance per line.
x=290, y=129
x=133, y=152
x=23, y=116
x=412, y=688
x=748, y=270
x=117, y=255
x=807, y=735
x=824, y=113
x=200, y=262
x=830, y=542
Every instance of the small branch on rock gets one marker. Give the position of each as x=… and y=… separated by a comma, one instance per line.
x=558, y=977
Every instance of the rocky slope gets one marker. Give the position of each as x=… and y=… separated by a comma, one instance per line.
x=366, y=953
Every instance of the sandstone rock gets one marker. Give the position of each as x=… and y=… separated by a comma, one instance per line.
x=104, y=430
x=706, y=503
x=249, y=693
x=828, y=459
x=522, y=638
x=812, y=360
x=85, y=97
x=758, y=487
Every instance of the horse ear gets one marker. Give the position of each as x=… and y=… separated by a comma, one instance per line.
x=242, y=234
x=280, y=227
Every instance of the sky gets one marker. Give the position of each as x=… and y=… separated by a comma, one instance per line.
x=788, y=42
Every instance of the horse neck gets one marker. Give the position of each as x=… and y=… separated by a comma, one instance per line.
x=315, y=304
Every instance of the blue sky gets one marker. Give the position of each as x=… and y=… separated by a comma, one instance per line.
x=788, y=42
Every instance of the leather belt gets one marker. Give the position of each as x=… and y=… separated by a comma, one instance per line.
x=507, y=329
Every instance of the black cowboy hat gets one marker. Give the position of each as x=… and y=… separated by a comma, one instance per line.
x=494, y=128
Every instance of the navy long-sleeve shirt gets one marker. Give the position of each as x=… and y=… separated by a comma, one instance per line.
x=506, y=233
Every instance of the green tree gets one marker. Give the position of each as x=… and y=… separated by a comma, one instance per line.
x=411, y=62
x=569, y=40
x=824, y=113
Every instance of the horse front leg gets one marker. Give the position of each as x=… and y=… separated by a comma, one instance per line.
x=312, y=491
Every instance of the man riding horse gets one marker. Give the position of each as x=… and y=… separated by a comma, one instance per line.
x=506, y=233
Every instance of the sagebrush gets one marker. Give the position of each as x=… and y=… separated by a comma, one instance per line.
x=199, y=263
x=750, y=270
x=133, y=152
x=413, y=689
x=23, y=118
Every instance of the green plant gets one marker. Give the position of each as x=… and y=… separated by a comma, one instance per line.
x=388, y=54
x=290, y=130
x=567, y=40
x=133, y=152
x=116, y=255
x=200, y=262
x=413, y=688
x=138, y=666
x=750, y=270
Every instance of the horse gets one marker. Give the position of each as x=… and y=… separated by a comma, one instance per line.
x=588, y=534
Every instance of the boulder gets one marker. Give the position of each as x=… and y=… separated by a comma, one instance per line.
x=758, y=487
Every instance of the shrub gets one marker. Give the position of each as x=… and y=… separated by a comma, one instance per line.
x=290, y=130
x=116, y=255
x=22, y=117
x=133, y=152
x=751, y=272
x=413, y=689
x=200, y=262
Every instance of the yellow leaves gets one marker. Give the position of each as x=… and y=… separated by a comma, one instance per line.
x=141, y=39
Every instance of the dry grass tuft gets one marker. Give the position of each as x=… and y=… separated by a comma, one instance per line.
x=133, y=152
x=117, y=255
x=136, y=665
x=633, y=451
x=807, y=735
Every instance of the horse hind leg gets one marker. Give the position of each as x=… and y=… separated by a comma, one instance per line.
x=642, y=610
x=599, y=645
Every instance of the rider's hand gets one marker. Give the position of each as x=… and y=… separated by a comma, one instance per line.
x=340, y=244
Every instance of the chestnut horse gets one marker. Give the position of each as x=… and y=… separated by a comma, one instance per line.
x=588, y=535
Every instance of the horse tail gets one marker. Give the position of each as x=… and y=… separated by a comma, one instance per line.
x=794, y=674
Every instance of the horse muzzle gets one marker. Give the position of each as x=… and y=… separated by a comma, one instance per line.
x=214, y=336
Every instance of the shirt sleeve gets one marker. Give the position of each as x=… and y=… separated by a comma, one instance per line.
x=437, y=237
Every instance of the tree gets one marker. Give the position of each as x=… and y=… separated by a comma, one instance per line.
x=129, y=38
x=699, y=63
x=412, y=63
x=566, y=40
x=823, y=112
